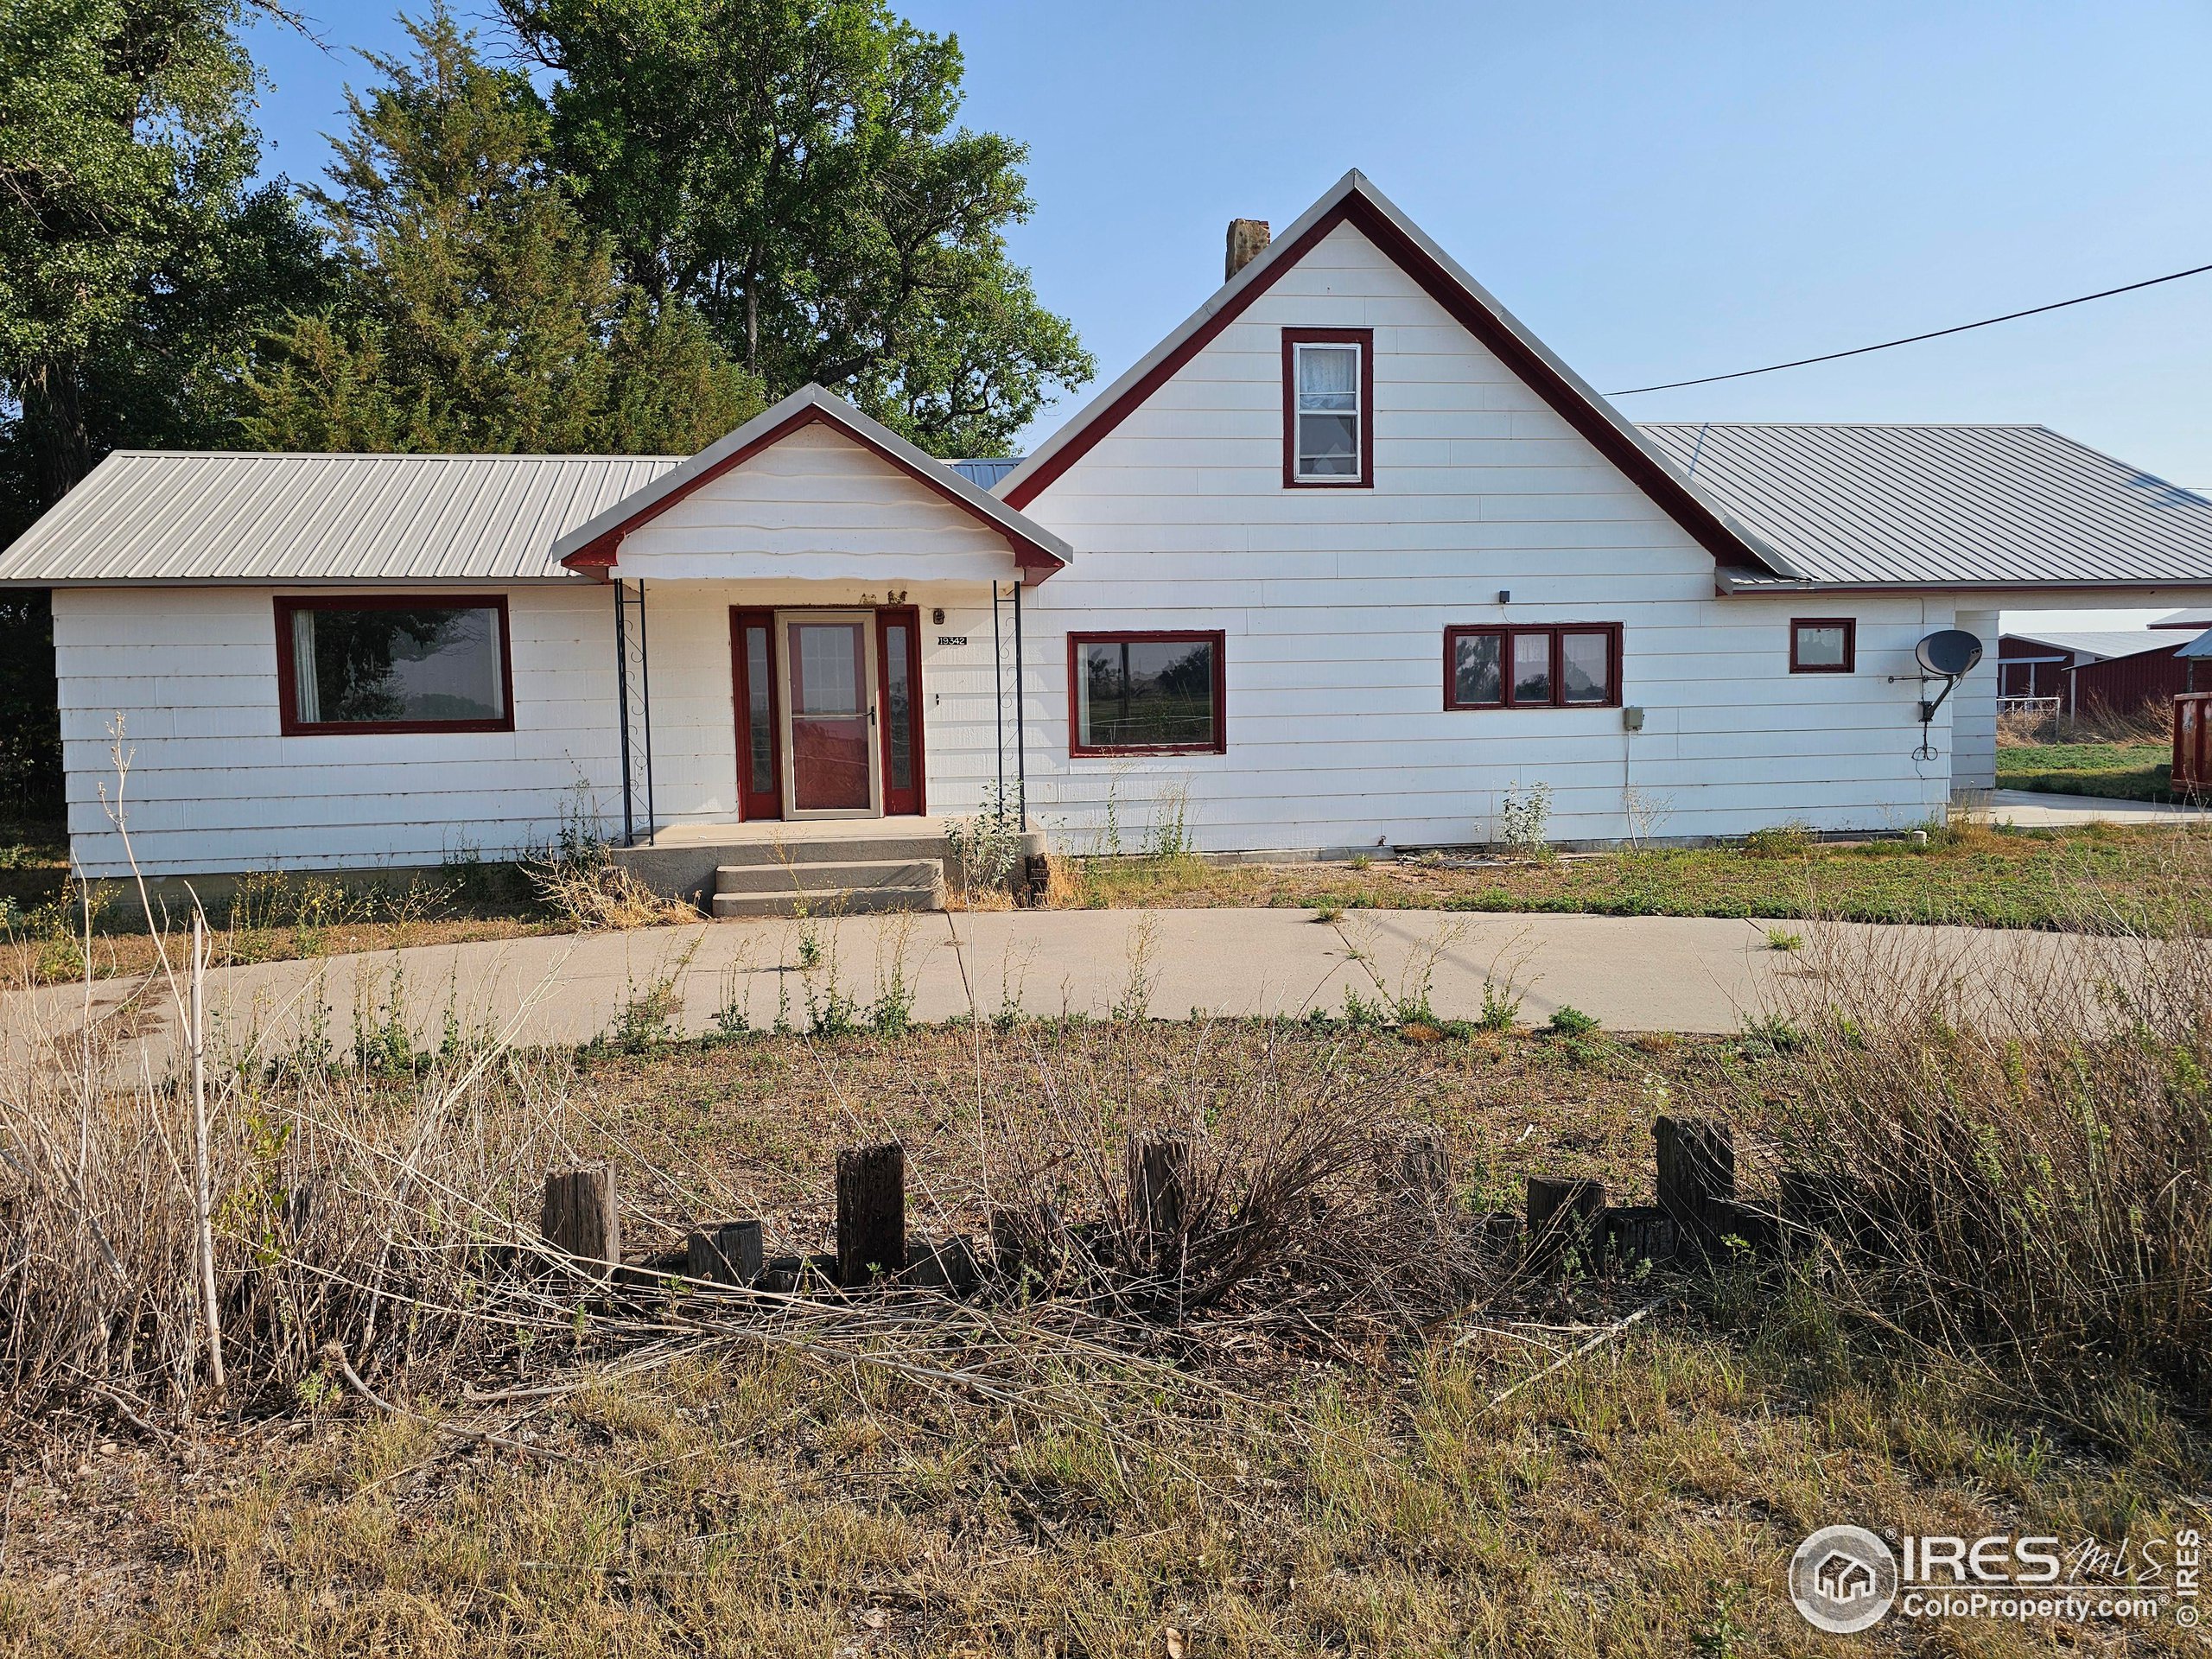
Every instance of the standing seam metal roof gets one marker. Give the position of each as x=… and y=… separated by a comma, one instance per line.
x=172, y=516
x=1950, y=505
x=1850, y=505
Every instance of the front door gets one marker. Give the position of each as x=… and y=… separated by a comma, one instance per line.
x=829, y=692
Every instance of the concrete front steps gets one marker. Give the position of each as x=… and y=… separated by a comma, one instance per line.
x=777, y=869
x=839, y=886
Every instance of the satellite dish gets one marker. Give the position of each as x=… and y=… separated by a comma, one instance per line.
x=1949, y=653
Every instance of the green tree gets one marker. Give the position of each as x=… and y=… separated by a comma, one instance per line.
x=790, y=168
x=477, y=311
x=138, y=259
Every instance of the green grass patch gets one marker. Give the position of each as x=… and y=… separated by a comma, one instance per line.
x=2123, y=772
x=2096, y=877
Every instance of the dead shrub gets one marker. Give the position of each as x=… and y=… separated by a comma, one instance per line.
x=2015, y=1134
x=594, y=893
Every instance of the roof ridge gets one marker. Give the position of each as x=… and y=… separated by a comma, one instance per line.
x=387, y=454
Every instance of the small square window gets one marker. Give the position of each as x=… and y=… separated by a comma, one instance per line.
x=1823, y=645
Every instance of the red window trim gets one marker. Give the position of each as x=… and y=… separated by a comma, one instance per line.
x=1849, y=627
x=887, y=618
x=1215, y=637
x=1292, y=339
x=288, y=688
x=752, y=803
x=1504, y=633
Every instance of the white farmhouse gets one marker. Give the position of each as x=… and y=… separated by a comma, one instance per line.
x=1346, y=559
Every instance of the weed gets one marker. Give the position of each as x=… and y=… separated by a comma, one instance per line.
x=1793, y=839
x=1501, y=1009
x=986, y=847
x=1567, y=1020
x=1329, y=914
x=1524, y=820
x=1136, y=1000
x=1783, y=938
x=1171, y=835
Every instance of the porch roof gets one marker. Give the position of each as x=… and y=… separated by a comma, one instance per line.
x=595, y=547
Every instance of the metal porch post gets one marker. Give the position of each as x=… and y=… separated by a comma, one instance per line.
x=622, y=711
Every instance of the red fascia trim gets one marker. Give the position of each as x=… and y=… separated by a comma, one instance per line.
x=1292, y=339
x=1684, y=508
x=287, y=684
x=598, y=554
x=1217, y=637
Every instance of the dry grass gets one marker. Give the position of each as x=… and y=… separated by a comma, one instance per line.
x=1310, y=1417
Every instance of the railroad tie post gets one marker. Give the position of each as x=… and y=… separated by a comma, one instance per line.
x=1564, y=1217
x=725, y=1253
x=871, y=1212
x=580, y=1219
x=1697, y=1175
x=1158, y=1174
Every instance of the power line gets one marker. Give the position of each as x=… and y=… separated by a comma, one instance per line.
x=1933, y=334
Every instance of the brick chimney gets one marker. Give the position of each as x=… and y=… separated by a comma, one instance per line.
x=1248, y=240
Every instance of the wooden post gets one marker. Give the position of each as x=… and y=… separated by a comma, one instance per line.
x=202, y=1196
x=1158, y=1173
x=871, y=1212
x=1415, y=1166
x=1697, y=1174
x=1638, y=1232
x=1563, y=1216
x=580, y=1219
x=725, y=1253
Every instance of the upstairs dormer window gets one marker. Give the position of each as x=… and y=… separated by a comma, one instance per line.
x=1328, y=397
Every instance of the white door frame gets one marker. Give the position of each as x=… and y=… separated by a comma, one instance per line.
x=865, y=621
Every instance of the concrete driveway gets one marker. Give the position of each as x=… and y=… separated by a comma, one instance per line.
x=2032, y=810
x=1635, y=973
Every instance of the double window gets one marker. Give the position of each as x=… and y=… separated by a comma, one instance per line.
x=1572, y=665
x=413, y=664
x=1823, y=645
x=1146, y=693
x=1328, y=395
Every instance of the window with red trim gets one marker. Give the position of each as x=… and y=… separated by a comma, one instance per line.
x=1823, y=645
x=1567, y=665
x=393, y=663
x=1328, y=403
x=1155, y=693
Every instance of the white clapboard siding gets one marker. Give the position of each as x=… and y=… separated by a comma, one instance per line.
x=819, y=506
x=214, y=786
x=1334, y=603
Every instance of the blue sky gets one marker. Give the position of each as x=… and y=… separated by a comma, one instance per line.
x=1660, y=191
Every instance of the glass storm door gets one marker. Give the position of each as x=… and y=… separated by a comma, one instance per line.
x=898, y=678
x=831, y=699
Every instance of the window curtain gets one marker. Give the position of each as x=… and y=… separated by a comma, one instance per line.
x=307, y=692
x=1330, y=373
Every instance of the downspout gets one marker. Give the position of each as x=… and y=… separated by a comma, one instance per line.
x=998, y=691
x=1021, y=728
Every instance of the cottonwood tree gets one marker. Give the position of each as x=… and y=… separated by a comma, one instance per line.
x=477, y=311
x=791, y=168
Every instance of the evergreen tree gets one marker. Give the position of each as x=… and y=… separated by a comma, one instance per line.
x=478, y=311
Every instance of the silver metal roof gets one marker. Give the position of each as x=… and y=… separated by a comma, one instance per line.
x=1959, y=506
x=985, y=471
x=2098, y=644
x=184, y=516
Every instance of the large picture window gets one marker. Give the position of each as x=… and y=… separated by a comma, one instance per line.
x=416, y=663
x=1572, y=665
x=1328, y=397
x=1146, y=693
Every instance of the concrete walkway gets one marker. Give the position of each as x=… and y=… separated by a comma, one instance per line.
x=1639, y=973
x=2032, y=810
